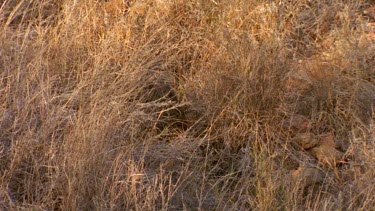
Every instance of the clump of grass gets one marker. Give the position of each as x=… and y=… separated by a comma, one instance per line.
x=182, y=104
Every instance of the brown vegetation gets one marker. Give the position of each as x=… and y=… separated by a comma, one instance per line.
x=187, y=105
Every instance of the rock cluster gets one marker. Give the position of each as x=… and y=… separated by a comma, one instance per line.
x=322, y=146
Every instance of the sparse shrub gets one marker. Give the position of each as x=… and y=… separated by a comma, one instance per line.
x=186, y=105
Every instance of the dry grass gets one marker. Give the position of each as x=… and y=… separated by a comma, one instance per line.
x=184, y=105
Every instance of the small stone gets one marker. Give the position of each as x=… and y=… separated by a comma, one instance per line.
x=306, y=140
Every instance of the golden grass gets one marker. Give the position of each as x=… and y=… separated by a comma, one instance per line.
x=183, y=105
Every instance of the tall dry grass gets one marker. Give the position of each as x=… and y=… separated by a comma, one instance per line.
x=181, y=105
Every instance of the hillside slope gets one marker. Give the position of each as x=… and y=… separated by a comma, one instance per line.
x=187, y=105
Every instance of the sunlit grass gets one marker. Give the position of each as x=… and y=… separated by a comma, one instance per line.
x=185, y=105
